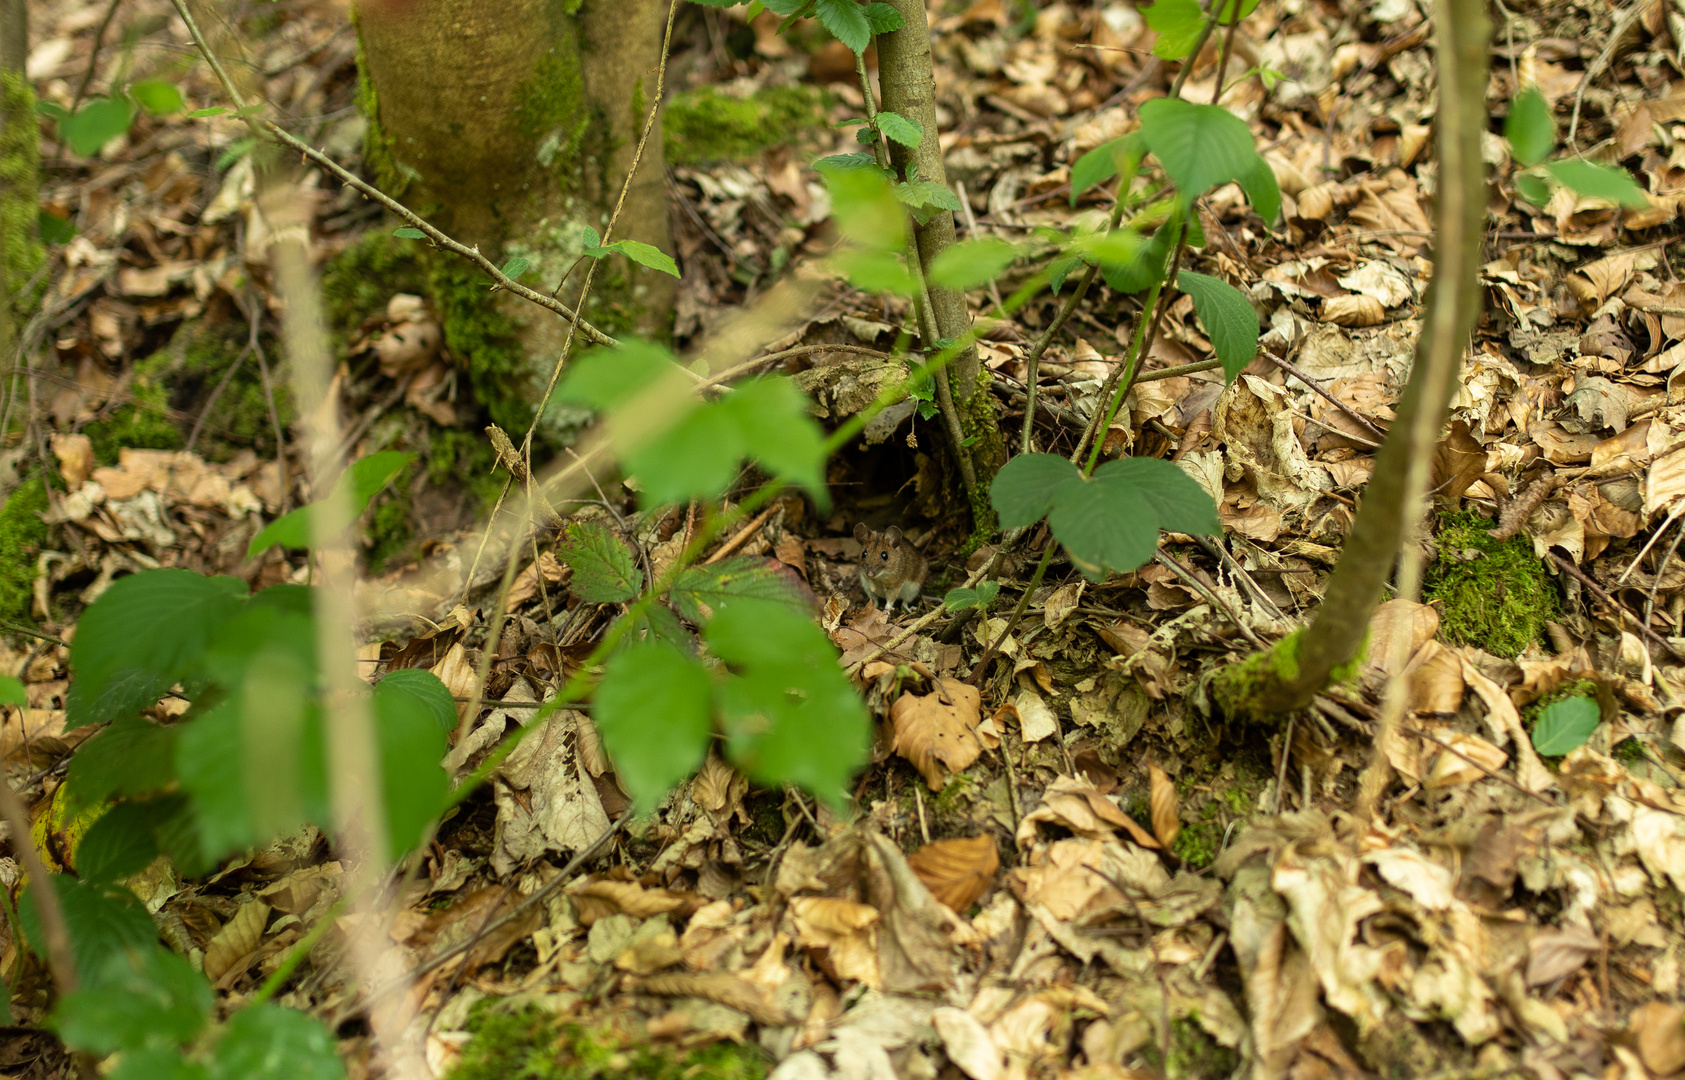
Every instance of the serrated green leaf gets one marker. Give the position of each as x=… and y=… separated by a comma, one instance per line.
x=144, y=634
x=971, y=263
x=1262, y=191
x=1599, y=182
x=884, y=19
x=147, y=999
x=604, y=571
x=95, y=124
x=1150, y=261
x=864, y=205
x=1177, y=23
x=1022, y=492
x=12, y=691
x=847, y=21
x=645, y=255
x=515, y=267
x=1058, y=270
x=903, y=130
x=846, y=163
x=158, y=1064
x=654, y=713
x=1565, y=726
x=699, y=592
x=697, y=458
x=1530, y=128
x=157, y=97
x=413, y=715
x=1200, y=146
x=780, y=433
x=104, y=924
x=120, y=844
x=927, y=195
x=361, y=482
x=268, y=1042
x=1112, y=522
x=791, y=714
x=1228, y=317
x=982, y=596
x=1105, y=161
x=131, y=757
x=408, y=233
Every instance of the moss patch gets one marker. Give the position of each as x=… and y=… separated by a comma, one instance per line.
x=535, y=1045
x=461, y=457
x=358, y=282
x=708, y=125
x=1494, y=594
x=1193, y=1053
x=20, y=156
x=22, y=536
x=141, y=423
x=1235, y=687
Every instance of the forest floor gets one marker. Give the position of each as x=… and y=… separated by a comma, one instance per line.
x=1110, y=878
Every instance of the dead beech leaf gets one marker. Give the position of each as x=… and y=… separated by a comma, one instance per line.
x=237, y=940
x=1660, y=1031
x=1558, y=951
x=937, y=732
x=1062, y=603
x=1469, y=758
x=1164, y=805
x=1035, y=720
x=598, y=899
x=957, y=871
x=844, y=932
x=1354, y=310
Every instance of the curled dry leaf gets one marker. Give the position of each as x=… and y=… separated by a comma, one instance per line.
x=843, y=932
x=968, y=1043
x=1660, y=1030
x=958, y=871
x=937, y=732
x=597, y=899
x=236, y=941
x=1461, y=758
x=1035, y=720
x=1062, y=603
x=1354, y=310
x=1164, y=805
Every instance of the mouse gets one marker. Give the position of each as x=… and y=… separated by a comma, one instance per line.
x=891, y=568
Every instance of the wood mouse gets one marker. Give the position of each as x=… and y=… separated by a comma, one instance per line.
x=891, y=568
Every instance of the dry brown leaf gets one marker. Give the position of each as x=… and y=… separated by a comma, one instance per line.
x=842, y=931
x=1167, y=821
x=720, y=988
x=75, y=455
x=957, y=871
x=597, y=899
x=937, y=732
x=1354, y=310
x=236, y=941
x=1062, y=603
x=1469, y=758
x=1660, y=1030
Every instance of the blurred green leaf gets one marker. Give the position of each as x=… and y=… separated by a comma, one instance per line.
x=1565, y=726
x=654, y=712
x=1530, y=128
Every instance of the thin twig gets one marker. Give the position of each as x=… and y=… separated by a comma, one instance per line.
x=1316, y=387
x=1622, y=25
x=1200, y=587
x=1603, y=595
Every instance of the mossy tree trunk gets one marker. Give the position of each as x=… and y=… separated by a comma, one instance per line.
x=512, y=125
x=907, y=81
x=21, y=253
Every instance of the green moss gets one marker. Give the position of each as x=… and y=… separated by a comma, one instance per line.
x=484, y=341
x=531, y=1044
x=1494, y=594
x=455, y=456
x=553, y=110
x=708, y=125
x=1629, y=751
x=22, y=536
x=1235, y=688
x=1193, y=1053
x=141, y=423
x=20, y=160
x=388, y=529
x=358, y=282
x=1196, y=844
x=378, y=156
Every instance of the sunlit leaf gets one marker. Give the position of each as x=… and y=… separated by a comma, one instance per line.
x=1600, y=182
x=1565, y=726
x=1530, y=128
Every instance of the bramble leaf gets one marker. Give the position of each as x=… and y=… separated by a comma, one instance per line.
x=971, y=263
x=1200, y=146
x=905, y=131
x=268, y=1042
x=1228, y=317
x=604, y=571
x=1177, y=23
x=655, y=715
x=847, y=20
x=699, y=592
x=1599, y=182
x=1022, y=492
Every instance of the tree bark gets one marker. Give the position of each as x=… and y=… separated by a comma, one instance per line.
x=907, y=81
x=512, y=125
x=21, y=253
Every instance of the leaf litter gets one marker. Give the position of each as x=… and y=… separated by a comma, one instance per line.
x=1079, y=868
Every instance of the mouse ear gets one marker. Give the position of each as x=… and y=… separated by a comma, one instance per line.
x=892, y=535
x=861, y=533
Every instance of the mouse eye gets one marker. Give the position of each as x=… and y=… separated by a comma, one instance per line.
x=884, y=555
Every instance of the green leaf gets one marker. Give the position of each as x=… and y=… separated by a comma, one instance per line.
x=927, y=196
x=1112, y=522
x=157, y=1064
x=407, y=233
x=696, y=458
x=236, y=150
x=95, y=124
x=875, y=271
x=515, y=267
x=865, y=207
x=1105, y=161
x=144, y=634
x=1022, y=492
x=1533, y=188
x=120, y=844
x=103, y=925
x=12, y=692
x=971, y=263
x=414, y=715
x=1229, y=319
x=607, y=378
x=1262, y=192
x=148, y=998
x=54, y=229
x=1530, y=128
x=792, y=716
x=1178, y=24
x=645, y=255
x=200, y=114
x=1150, y=261
x=1599, y=182
x=1565, y=726
x=654, y=714
x=982, y=596
x=884, y=19
x=268, y=1042
x=157, y=97
x=1229, y=15
x=905, y=131
x=131, y=757
x=604, y=571
x=1200, y=146
x=362, y=481
x=699, y=592
x=846, y=163
x=777, y=430
x=847, y=20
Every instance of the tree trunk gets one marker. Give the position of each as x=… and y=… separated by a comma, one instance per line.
x=907, y=82
x=21, y=253
x=512, y=125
